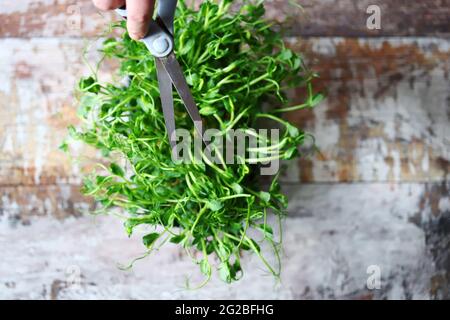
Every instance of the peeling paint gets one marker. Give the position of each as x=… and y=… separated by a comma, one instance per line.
x=319, y=257
x=19, y=203
x=40, y=91
x=385, y=120
x=382, y=128
x=47, y=18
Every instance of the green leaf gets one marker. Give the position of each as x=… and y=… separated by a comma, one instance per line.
x=215, y=205
x=89, y=84
x=88, y=185
x=149, y=239
x=192, y=78
x=266, y=229
x=178, y=238
x=100, y=179
x=223, y=252
x=255, y=246
x=209, y=248
x=225, y=272
x=145, y=104
x=64, y=147
x=83, y=110
x=316, y=99
x=131, y=223
x=285, y=54
x=73, y=132
x=205, y=267
x=265, y=196
x=275, y=186
x=291, y=153
x=206, y=111
x=292, y=130
x=129, y=226
x=236, y=228
x=105, y=152
x=188, y=46
x=116, y=169
x=110, y=42
x=297, y=63
x=237, y=188
x=235, y=269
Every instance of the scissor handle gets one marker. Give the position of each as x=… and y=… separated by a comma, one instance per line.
x=159, y=39
x=166, y=12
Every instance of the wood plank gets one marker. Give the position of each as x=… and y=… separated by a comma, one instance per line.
x=348, y=18
x=385, y=119
x=333, y=233
x=37, y=105
x=19, y=204
x=48, y=18
x=387, y=113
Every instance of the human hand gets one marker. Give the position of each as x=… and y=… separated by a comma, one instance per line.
x=139, y=13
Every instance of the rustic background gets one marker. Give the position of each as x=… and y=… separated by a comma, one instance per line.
x=376, y=195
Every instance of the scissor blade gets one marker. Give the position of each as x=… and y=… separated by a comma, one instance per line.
x=165, y=89
x=172, y=67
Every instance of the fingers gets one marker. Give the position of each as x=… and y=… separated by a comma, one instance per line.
x=139, y=14
x=108, y=4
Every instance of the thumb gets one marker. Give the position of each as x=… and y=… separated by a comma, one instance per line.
x=139, y=13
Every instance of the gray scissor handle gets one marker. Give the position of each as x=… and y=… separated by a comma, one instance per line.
x=166, y=11
x=159, y=39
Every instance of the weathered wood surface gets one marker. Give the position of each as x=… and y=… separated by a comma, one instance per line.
x=385, y=124
x=348, y=18
x=329, y=246
x=20, y=204
x=385, y=118
x=68, y=18
x=49, y=18
x=37, y=105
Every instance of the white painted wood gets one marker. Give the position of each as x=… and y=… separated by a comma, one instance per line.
x=332, y=235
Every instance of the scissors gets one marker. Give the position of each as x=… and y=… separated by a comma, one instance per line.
x=159, y=41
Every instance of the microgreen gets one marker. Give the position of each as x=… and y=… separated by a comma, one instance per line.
x=234, y=63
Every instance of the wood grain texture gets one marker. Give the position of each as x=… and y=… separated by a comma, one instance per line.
x=332, y=234
x=384, y=128
x=48, y=18
x=36, y=106
x=68, y=18
x=386, y=115
x=348, y=18
x=19, y=204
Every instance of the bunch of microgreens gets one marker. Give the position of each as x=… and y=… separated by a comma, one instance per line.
x=234, y=63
